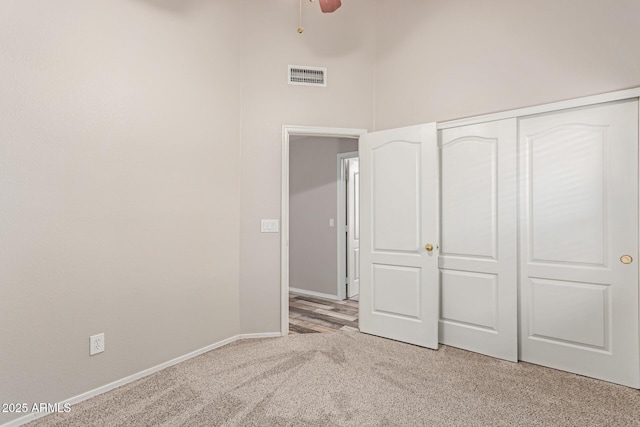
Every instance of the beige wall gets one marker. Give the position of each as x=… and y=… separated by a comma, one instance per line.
x=342, y=42
x=119, y=188
x=313, y=187
x=441, y=59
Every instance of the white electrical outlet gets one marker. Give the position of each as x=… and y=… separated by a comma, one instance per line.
x=96, y=344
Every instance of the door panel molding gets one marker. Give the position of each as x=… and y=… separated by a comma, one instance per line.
x=470, y=223
x=394, y=229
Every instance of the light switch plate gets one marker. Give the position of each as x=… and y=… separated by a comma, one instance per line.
x=270, y=226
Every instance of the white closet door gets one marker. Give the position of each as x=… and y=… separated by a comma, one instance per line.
x=579, y=222
x=478, y=259
x=398, y=216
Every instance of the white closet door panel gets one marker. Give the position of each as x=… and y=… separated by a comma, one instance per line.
x=478, y=259
x=552, y=315
x=395, y=203
x=399, y=289
x=470, y=299
x=396, y=291
x=568, y=222
x=579, y=215
x=469, y=216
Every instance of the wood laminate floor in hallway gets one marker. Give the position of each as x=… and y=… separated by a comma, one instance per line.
x=312, y=314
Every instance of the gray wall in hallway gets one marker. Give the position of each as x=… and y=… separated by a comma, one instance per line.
x=313, y=264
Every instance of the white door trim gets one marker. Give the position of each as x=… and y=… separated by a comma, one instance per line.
x=287, y=132
x=341, y=217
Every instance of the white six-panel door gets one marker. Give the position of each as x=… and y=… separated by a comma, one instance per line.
x=399, y=292
x=478, y=258
x=579, y=220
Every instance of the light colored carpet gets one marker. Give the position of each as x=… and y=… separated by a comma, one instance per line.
x=353, y=379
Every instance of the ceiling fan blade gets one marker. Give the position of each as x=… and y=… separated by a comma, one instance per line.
x=328, y=6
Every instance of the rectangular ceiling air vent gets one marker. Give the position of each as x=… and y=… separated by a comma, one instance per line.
x=307, y=76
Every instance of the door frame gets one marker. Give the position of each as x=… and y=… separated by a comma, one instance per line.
x=342, y=221
x=287, y=132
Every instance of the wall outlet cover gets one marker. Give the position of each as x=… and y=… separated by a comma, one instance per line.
x=96, y=344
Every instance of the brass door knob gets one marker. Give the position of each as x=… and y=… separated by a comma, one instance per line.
x=428, y=247
x=626, y=259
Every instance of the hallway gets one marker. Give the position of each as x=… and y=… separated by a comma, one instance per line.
x=317, y=315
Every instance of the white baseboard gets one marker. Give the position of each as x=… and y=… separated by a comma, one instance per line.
x=108, y=387
x=260, y=335
x=314, y=294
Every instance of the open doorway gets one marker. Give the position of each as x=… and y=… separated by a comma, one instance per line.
x=317, y=214
x=314, y=221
